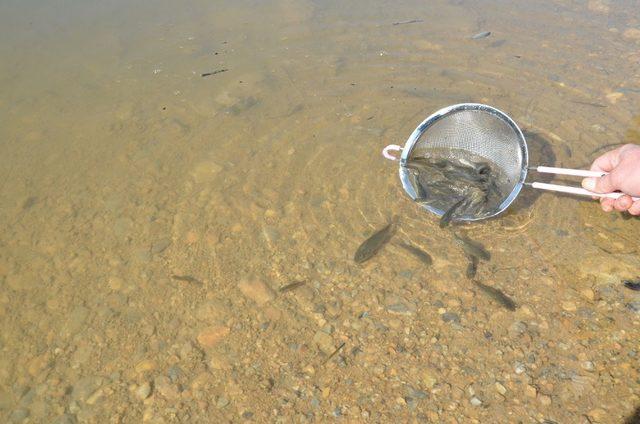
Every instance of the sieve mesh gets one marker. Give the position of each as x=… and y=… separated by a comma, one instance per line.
x=473, y=130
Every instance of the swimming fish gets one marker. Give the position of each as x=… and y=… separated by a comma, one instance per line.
x=417, y=252
x=472, y=268
x=472, y=248
x=632, y=285
x=374, y=243
x=497, y=295
x=483, y=34
x=448, y=215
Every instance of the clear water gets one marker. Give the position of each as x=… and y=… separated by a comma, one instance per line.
x=121, y=166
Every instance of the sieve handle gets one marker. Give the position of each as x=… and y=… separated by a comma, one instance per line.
x=391, y=148
x=577, y=190
x=567, y=171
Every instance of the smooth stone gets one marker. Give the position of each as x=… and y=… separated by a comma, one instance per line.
x=211, y=336
x=160, y=245
x=143, y=391
x=18, y=415
x=256, y=290
x=450, y=317
x=324, y=342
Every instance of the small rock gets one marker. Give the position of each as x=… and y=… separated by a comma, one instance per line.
x=401, y=309
x=143, y=391
x=145, y=365
x=164, y=387
x=428, y=380
x=544, y=399
x=517, y=329
x=500, y=388
x=520, y=368
x=95, y=396
x=324, y=342
x=598, y=415
x=18, y=415
x=588, y=366
x=160, y=245
x=475, y=401
x=569, y=306
x=211, y=336
x=588, y=294
x=530, y=391
x=222, y=402
x=631, y=34
x=450, y=317
x=256, y=290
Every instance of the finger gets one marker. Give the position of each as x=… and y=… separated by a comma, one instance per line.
x=604, y=184
x=607, y=162
x=623, y=203
x=635, y=208
x=606, y=205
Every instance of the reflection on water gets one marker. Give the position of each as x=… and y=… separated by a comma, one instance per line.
x=122, y=167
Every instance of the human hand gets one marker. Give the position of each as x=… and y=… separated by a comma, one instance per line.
x=623, y=166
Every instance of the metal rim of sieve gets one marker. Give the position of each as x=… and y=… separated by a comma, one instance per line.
x=443, y=113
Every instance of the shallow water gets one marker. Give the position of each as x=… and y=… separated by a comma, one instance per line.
x=120, y=166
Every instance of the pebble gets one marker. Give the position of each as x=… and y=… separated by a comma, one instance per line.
x=212, y=336
x=428, y=380
x=530, y=391
x=19, y=415
x=500, y=388
x=598, y=415
x=164, y=387
x=401, y=309
x=631, y=34
x=160, y=245
x=450, y=317
x=518, y=328
x=143, y=391
x=569, y=306
x=544, y=399
x=222, y=402
x=588, y=294
x=475, y=401
x=324, y=342
x=256, y=290
x=588, y=366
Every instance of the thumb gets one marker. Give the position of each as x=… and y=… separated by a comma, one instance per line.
x=602, y=184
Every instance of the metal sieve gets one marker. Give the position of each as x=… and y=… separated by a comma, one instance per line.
x=472, y=129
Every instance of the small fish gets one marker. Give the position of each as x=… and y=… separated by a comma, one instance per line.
x=219, y=71
x=187, y=278
x=291, y=286
x=334, y=353
x=370, y=246
x=417, y=252
x=472, y=248
x=498, y=296
x=632, y=285
x=448, y=215
x=412, y=21
x=472, y=268
x=483, y=34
